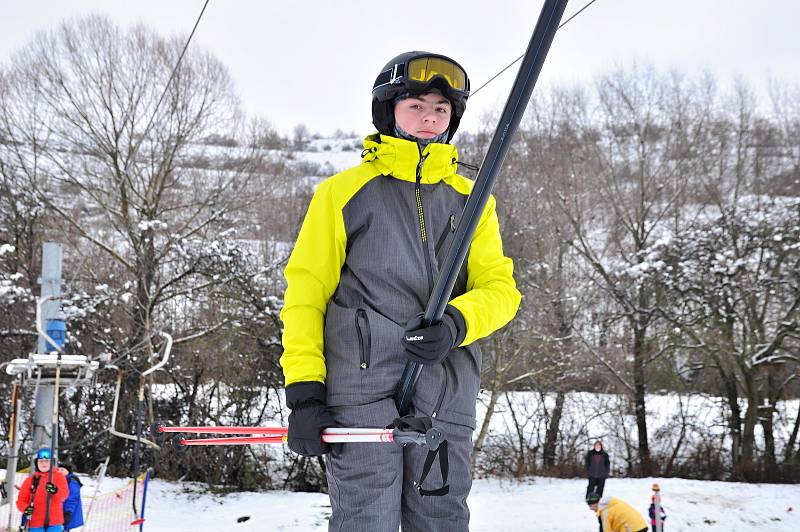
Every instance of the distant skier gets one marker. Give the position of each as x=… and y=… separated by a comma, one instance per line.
x=32, y=499
x=73, y=508
x=598, y=466
x=615, y=514
x=358, y=281
x=652, y=512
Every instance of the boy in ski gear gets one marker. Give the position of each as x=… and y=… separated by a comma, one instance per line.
x=73, y=508
x=615, y=514
x=652, y=512
x=359, y=276
x=32, y=499
x=598, y=466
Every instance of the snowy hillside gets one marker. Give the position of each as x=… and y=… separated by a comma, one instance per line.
x=545, y=504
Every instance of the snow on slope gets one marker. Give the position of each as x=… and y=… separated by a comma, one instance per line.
x=543, y=504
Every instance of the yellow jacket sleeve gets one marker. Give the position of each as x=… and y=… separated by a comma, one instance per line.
x=312, y=275
x=492, y=298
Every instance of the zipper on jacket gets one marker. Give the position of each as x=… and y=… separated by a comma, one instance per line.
x=364, y=338
x=449, y=228
x=440, y=399
x=421, y=214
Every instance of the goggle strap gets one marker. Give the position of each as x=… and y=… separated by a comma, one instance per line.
x=384, y=78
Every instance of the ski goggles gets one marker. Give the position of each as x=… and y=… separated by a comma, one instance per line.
x=44, y=455
x=416, y=73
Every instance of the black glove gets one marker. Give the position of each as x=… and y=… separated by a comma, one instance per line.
x=67, y=518
x=29, y=511
x=51, y=488
x=309, y=417
x=431, y=345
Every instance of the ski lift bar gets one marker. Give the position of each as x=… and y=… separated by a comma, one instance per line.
x=112, y=430
x=167, y=351
x=535, y=55
x=37, y=361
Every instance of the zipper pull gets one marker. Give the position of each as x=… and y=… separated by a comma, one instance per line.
x=452, y=222
x=419, y=168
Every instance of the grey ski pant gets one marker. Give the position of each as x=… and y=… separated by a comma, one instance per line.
x=372, y=485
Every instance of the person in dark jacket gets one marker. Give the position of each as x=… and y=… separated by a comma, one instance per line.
x=598, y=466
x=73, y=508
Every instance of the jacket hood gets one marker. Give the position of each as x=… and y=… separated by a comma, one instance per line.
x=400, y=158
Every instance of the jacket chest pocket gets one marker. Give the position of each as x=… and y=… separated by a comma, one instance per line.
x=448, y=229
x=364, y=338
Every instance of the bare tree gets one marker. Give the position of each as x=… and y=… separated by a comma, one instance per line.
x=129, y=176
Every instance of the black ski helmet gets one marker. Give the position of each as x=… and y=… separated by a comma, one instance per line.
x=418, y=72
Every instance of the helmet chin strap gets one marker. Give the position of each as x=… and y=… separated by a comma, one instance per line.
x=403, y=134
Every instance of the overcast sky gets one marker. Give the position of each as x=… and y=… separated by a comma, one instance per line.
x=314, y=62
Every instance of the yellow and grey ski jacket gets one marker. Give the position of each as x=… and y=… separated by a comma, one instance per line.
x=619, y=516
x=365, y=262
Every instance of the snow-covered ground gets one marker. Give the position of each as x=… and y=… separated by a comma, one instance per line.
x=542, y=504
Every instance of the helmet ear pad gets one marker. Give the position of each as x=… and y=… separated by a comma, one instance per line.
x=383, y=116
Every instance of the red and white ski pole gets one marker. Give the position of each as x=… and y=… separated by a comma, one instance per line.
x=271, y=435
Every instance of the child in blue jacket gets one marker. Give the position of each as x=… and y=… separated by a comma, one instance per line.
x=73, y=509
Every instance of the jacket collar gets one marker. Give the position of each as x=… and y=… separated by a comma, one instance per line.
x=400, y=158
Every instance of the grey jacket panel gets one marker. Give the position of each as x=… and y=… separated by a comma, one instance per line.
x=449, y=391
x=385, y=266
x=384, y=282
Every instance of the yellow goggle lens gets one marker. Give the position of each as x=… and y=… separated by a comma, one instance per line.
x=424, y=69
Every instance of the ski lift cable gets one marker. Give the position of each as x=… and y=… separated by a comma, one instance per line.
x=171, y=76
x=473, y=93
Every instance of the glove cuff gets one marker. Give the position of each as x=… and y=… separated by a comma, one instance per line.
x=457, y=324
x=301, y=394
